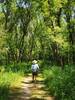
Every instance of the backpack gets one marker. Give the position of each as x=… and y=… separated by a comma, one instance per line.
x=35, y=68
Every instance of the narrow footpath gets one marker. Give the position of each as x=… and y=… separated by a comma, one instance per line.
x=30, y=91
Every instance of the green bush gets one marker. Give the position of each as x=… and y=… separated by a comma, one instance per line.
x=43, y=64
x=19, y=67
x=61, y=83
x=8, y=80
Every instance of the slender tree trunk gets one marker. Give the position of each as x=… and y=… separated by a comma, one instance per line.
x=59, y=17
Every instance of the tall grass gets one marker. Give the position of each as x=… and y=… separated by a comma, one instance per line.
x=8, y=80
x=61, y=83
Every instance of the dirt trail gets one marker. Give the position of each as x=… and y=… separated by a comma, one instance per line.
x=30, y=91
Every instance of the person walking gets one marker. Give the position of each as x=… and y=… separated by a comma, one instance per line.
x=35, y=69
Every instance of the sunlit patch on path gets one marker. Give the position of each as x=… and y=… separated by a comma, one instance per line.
x=30, y=91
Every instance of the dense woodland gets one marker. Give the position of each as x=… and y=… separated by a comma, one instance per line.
x=43, y=30
x=34, y=29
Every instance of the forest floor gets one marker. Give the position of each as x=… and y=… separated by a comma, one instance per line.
x=29, y=90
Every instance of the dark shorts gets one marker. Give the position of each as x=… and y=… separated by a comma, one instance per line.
x=34, y=73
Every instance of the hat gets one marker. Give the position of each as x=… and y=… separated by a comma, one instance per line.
x=34, y=62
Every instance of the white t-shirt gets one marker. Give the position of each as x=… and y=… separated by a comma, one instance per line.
x=34, y=67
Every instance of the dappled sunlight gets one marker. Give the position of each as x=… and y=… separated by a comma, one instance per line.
x=37, y=49
x=30, y=90
x=18, y=94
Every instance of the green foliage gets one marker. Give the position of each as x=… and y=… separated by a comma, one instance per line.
x=22, y=68
x=61, y=83
x=8, y=80
x=37, y=30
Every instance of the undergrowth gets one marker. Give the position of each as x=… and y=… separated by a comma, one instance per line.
x=60, y=83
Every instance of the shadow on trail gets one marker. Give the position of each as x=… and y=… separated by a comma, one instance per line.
x=22, y=94
x=36, y=99
x=37, y=82
x=18, y=94
x=29, y=90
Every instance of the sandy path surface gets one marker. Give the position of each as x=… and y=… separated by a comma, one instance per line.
x=30, y=91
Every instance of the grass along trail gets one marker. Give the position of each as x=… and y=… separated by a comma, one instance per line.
x=29, y=90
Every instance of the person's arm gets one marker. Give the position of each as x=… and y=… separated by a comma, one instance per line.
x=37, y=66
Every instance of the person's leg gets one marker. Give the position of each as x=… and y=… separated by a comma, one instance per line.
x=32, y=76
x=35, y=76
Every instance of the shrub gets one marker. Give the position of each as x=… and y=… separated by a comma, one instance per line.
x=19, y=67
x=61, y=83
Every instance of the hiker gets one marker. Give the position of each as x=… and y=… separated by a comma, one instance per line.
x=34, y=69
